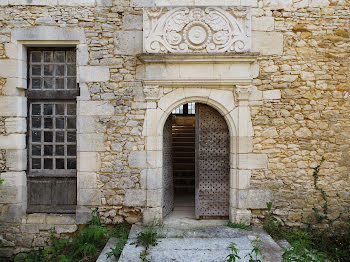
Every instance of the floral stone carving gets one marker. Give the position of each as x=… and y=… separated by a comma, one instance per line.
x=197, y=29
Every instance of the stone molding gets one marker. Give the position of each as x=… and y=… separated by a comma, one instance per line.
x=210, y=70
x=197, y=29
x=47, y=33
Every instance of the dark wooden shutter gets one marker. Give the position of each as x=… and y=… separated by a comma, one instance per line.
x=168, y=184
x=212, y=163
x=52, y=91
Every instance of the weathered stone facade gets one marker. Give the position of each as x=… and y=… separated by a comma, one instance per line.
x=292, y=107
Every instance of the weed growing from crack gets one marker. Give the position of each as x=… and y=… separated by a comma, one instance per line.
x=147, y=238
x=240, y=226
x=234, y=253
x=256, y=251
x=271, y=225
x=121, y=232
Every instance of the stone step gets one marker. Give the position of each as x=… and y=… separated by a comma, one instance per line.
x=206, y=244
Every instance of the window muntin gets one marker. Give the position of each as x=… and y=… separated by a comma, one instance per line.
x=52, y=70
x=52, y=136
x=179, y=110
x=191, y=108
x=186, y=109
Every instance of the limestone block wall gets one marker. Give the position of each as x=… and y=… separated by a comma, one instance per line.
x=311, y=118
x=299, y=106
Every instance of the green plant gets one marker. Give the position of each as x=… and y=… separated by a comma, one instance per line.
x=117, y=251
x=148, y=237
x=234, y=253
x=320, y=217
x=256, y=251
x=122, y=233
x=35, y=256
x=271, y=225
x=302, y=250
x=144, y=256
x=83, y=246
x=240, y=226
x=95, y=219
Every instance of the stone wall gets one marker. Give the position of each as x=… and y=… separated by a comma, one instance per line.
x=300, y=109
x=311, y=119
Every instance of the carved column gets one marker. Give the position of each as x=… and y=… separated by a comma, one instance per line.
x=152, y=175
x=241, y=179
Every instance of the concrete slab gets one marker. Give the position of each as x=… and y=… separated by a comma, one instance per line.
x=200, y=244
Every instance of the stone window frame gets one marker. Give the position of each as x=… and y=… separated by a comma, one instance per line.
x=16, y=50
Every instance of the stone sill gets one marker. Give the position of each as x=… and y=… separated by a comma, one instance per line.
x=188, y=58
x=50, y=219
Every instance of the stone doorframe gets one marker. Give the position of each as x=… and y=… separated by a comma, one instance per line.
x=229, y=96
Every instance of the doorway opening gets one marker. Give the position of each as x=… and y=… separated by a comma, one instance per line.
x=196, y=163
x=183, y=150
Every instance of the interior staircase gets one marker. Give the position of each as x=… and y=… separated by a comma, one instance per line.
x=184, y=158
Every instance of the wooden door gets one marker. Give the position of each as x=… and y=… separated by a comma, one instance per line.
x=212, y=163
x=52, y=157
x=168, y=184
x=52, y=145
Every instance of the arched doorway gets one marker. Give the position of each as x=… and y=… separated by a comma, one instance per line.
x=196, y=162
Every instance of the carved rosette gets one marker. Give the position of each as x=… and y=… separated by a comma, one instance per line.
x=151, y=92
x=197, y=29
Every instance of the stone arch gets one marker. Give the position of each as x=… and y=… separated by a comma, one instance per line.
x=221, y=100
x=231, y=122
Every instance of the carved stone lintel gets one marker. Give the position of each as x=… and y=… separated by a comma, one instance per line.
x=197, y=29
x=151, y=92
x=243, y=92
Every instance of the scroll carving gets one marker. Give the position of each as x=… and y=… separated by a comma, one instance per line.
x=197, y=29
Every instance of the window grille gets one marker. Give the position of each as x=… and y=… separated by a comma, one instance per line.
x=52, y=146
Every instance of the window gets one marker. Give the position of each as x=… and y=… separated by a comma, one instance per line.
x=186, y=109
x=52, y=91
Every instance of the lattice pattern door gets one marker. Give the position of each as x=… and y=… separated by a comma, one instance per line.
x=212, y=163
x=168, y=184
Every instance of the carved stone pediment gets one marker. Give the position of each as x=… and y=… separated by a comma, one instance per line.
x=197, y=29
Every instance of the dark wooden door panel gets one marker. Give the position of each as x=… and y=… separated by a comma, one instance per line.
x=39, y=192
x=65, y=192
x=168, y=183
x=212, y=163
x=52, y=195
